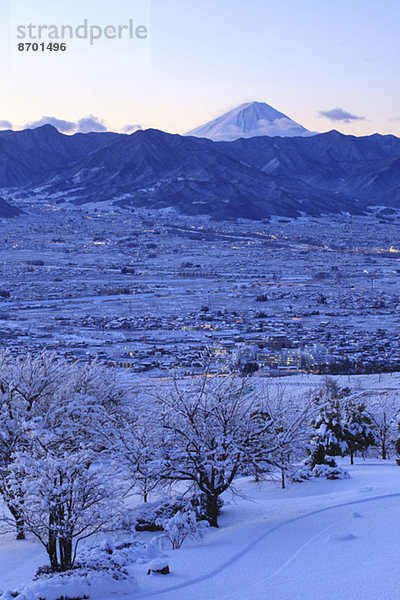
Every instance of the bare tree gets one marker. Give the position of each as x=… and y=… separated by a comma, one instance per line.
x=291, y=416
x=383, y=410
x=136, y=445
x=212, y=428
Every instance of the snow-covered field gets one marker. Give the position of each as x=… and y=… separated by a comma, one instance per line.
x=318, y=540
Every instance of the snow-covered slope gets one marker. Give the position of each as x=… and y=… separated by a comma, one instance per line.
x=250, y=120
x=318, y=540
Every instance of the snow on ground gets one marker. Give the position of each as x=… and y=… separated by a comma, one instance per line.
x=319, y=540
x=19, y=561
x=379, y=382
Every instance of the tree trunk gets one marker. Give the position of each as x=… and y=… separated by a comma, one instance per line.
x=212, y=510
x=283, y=478
x=52, y=545
x=19, y=521
x=52, y=552
x=383, y=451
x=65, y=545
x=351, y=457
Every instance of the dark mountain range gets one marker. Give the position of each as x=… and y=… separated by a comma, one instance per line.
x=253, y=178
x=26, y=155
x=7, y=211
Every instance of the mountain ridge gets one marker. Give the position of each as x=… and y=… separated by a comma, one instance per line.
x=248, y=178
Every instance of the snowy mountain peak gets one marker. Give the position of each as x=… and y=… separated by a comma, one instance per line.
x=250, y=120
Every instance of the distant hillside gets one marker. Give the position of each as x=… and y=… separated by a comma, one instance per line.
x=7, y=211
x=253, y=178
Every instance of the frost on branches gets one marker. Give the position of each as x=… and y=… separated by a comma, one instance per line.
x=214, y=429
x=77, y=443
x=181, y=526
x=53, y=477
x=211, y=428
x=27, y=387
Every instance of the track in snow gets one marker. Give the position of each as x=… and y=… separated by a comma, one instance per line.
x=161, y=594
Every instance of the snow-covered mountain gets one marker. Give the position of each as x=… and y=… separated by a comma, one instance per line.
x=247, y=178
x=248, y=120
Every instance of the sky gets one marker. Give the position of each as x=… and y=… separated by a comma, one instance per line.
x=327, y=65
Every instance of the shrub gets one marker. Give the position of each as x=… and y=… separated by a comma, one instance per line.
x=182, y=526
x=150, y=516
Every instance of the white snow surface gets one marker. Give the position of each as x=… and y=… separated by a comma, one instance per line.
x=251, y=119
x=95, y=585
x=318, y=540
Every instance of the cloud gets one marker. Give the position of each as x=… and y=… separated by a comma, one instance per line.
x=90, y=123
x=338, y=114
x=84, y=125
x=131, y=128
x=59, y=124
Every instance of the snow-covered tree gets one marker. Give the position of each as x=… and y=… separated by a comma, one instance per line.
x=290, y=418
x=136, y=445
x=328, y=438
x=357, y=430
x=383, y=411
x=105, y=385
x=212, y=428
x=397, y=446
x=27, y=387
x=67, y=488
x=181, y=526
x=55, y=419
x=66, y=499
